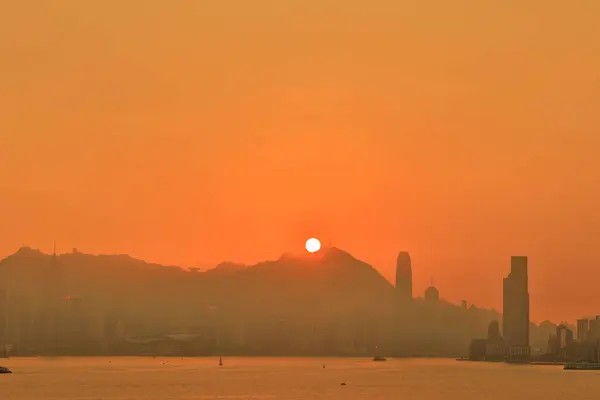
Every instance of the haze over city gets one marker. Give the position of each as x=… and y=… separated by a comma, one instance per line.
x=463, y=132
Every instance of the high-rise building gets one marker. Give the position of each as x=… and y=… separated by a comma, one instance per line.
x=564, y=335
x=515, y=303
x=404, y=325
x=594, y=332
x=403, y=278
x=494, y=330
x=583, y=329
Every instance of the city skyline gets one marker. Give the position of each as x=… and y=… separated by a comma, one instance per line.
x=53, y=321
x=402, y=282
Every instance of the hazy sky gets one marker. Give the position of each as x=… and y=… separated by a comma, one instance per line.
x=193, y=131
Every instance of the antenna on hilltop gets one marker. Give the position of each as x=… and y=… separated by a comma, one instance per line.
x=54, y=247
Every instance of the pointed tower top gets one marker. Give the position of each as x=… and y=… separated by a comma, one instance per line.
x=403, y=276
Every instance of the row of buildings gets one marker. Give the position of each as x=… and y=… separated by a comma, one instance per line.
x=514, y=344
x=588, y=330
x=585, y=346
x=512, y=341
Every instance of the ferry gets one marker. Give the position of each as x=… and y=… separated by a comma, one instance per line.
x=4, y=370
x=584, y=366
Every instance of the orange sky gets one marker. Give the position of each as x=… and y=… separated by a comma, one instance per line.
x=189, y=132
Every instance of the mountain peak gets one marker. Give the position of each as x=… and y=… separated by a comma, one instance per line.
x=26, y=250
x=334, y=253
x=326, y=254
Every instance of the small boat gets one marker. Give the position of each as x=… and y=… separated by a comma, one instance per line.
x=4, y=370
x=583, y=366
x=378, y=357
x=220, y=361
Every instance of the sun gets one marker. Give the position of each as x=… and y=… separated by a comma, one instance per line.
x=313, y=245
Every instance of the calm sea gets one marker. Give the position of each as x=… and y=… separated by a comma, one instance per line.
x=287, y=378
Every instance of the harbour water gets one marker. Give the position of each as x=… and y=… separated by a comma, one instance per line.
x=147, y=378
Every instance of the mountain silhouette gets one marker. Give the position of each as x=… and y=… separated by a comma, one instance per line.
x=329, y=281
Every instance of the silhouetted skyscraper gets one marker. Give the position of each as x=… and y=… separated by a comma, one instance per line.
x=403, y=278
x=583, y=329
x=493, y=330
x=564, y=335
x=516, y=308
x=594, y=332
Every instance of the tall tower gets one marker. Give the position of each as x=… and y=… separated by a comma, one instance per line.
x=51, y=320
x=404, y=321
x=583, y=330
x=515, y=302
x=53, y=282
x=403, y=278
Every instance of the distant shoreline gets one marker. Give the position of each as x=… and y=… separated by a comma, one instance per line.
x=553, y=363
x=369, y=357
x=316, y=357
